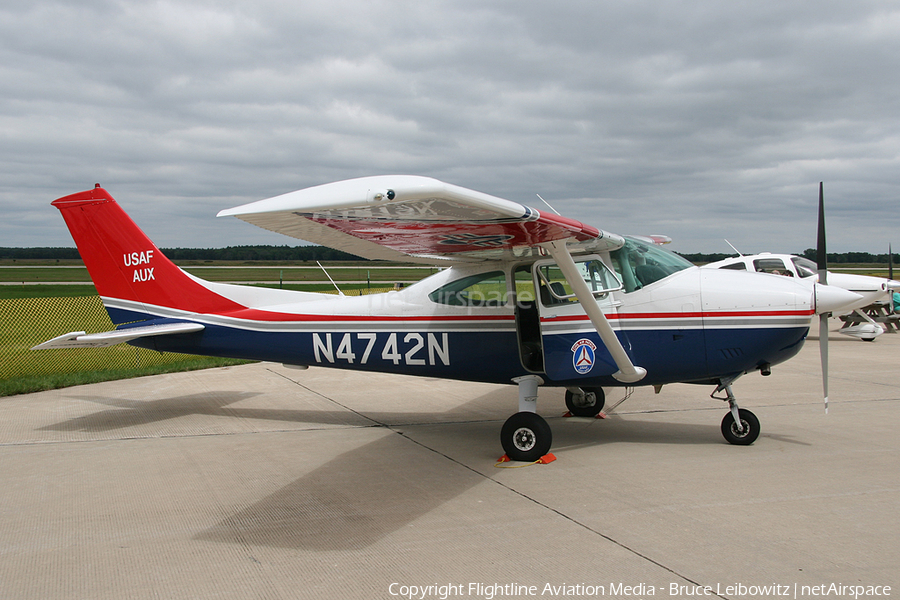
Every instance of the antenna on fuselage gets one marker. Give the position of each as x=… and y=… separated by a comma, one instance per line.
x=548, y=204
x=733, y=248
x=330, y=279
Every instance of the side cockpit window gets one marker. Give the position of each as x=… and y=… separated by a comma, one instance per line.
x=554, y=289
x=481, y=290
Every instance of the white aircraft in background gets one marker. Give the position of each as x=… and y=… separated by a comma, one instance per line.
x=870, y=290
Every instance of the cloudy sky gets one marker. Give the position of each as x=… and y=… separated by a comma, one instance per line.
x=701, y=120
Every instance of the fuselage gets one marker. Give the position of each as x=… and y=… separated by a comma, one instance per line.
x=496, y=322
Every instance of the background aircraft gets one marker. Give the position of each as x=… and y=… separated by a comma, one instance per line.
x=870, y=290
x=529, y=298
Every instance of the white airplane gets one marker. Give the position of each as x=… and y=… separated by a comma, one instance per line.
x=870, y=290
x=528, y=297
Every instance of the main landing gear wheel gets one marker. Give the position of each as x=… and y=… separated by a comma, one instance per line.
x=526, y=437
x=590, y=406
x=749, y=425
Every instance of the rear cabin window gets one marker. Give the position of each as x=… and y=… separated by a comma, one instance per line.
x=481, y=290
x=735, y=267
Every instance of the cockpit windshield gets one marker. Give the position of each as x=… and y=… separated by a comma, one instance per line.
x=805, y=267
x=639, y=264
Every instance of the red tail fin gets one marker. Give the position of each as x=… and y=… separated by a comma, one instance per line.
x=122, y=261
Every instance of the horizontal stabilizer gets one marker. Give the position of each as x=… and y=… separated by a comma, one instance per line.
x=80, y=339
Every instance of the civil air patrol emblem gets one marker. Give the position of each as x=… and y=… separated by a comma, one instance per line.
x=583, y=356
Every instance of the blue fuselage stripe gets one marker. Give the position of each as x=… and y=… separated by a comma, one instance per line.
x=669, y=355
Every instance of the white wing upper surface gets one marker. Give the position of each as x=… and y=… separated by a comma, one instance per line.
x=411, y=218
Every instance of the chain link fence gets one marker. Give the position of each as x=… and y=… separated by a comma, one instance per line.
x=26, y=322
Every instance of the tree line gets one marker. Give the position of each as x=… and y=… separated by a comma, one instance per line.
x=233, y=253
x=312, y=253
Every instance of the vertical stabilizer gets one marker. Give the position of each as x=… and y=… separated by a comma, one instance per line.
x=129, y=271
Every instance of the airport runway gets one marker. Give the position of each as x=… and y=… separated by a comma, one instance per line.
x=264, y=482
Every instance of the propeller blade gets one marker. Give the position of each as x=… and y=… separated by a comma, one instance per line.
x=823, y=354
x=822, y=264
x=821, y=254
x=890, y=263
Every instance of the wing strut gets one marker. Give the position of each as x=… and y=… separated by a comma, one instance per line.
x=628, y=372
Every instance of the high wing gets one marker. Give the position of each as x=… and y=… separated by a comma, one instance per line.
x=417, y=219
x=405, y=217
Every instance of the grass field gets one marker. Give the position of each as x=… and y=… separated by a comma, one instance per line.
x=43, y=299
x=48, y=279
x=9, y=292
x=26, y=322
x=230, y=273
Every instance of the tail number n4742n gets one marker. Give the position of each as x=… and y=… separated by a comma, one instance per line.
x=409, y=348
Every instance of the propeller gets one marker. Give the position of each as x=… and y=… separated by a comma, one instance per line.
x=822, y=265
x=892, y=284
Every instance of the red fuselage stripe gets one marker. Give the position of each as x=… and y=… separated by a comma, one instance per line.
x=261, y=315
x=692, y=315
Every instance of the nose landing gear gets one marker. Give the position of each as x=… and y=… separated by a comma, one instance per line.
x=740, y=426
x=585, y=402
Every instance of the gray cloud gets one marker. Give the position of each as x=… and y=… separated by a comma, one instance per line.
x=699, y=120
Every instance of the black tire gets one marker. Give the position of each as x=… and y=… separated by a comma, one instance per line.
x=587, y=410
x=526, y=437
x=750, y=424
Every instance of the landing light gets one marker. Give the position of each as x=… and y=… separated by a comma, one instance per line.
x=379, y=196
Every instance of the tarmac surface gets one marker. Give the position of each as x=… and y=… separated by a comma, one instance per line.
x=265, y=482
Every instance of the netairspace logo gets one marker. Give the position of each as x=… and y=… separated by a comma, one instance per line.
x=490, y=591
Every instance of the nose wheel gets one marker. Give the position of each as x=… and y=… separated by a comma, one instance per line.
x=743, y=434
x=585, y=402
x=740, y=426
